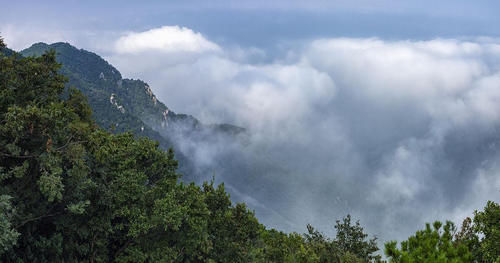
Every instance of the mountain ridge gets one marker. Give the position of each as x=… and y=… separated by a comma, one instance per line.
x=105, y=72
x=121, y=104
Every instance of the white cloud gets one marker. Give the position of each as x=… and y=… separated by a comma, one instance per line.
x=18, y=37
x=165, y=39
x=403, y=177
x=397, y=130
x=398, y=71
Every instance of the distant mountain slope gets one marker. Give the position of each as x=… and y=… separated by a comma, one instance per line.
x=101, y=83
x=7, y=51
x=125, y=104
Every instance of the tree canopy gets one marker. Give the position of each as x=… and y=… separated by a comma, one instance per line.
x=433, y=244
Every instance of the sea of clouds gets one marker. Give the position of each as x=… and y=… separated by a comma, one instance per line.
x=396, y=133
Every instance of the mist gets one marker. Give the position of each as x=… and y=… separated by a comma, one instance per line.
x=395, y=133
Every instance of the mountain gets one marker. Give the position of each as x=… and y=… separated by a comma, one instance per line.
x=121, y=104
x=7, y=51
x=111, y=100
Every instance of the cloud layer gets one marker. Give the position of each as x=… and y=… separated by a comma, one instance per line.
x=164, y=39
x=396, y=133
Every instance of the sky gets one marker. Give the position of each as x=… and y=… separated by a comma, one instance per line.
x=248, y=23
x=387, y=110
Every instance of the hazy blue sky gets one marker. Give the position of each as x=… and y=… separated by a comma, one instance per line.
x=257, y=23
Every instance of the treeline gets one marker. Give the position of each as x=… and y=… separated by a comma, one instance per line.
x=71, y=192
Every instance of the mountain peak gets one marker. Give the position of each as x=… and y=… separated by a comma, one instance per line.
x=86, y=64
x=39, y=48
x=53, y=45
x=39, y=44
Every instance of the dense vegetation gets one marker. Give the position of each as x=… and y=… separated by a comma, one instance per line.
x=71, y=191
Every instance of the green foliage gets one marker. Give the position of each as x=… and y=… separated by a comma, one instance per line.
x=429, y=245
x=487, y=226
x=482, y=234
x=350, y=245
x=468, y=236
x=351, y=238
x=233, y=230
x=8, y=235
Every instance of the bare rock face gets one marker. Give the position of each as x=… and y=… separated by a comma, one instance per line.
x=150, y=94
x=113, y=101
x=101, y=76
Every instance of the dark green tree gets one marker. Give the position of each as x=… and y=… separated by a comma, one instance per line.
x=429, y=245
x=468, y=236
x=72, y=192
x=351, y=238
x=487, y=225
x=233, y=230
x=351, y=244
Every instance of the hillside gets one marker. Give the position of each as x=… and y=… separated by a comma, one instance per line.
x=121, y=104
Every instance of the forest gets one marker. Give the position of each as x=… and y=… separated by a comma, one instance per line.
x=71, y=191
